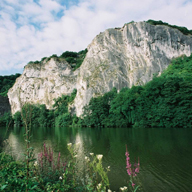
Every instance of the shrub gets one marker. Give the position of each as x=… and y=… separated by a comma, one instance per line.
x=6, y=119
x=69, y=54
x=184, y=30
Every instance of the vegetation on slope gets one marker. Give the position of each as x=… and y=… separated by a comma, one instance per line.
x=6, y=82
x=163, y=102
x=75, y=59
x=40, y=116
x=184, y=30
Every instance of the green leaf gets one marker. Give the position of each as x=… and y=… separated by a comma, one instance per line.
x=136, y=188
x=34, y=187
x=3, y=187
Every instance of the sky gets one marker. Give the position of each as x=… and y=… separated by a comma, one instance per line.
x=33, y=29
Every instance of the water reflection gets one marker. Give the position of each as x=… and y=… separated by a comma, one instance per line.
x=165, y=154
x=14, y=146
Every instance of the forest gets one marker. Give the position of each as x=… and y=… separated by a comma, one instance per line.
x=165, y=101
x=6, y=82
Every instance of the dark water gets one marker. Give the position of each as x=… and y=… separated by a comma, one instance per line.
x=165, y=154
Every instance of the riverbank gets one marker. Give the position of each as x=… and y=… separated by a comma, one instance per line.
x=47, y=173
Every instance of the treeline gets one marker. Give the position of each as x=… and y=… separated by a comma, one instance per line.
x=184, y=30
x=166, y=101
x=40, y=116
x=75, y=59
x=6, y=82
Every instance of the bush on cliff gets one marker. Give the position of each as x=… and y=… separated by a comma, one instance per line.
x=184, y=30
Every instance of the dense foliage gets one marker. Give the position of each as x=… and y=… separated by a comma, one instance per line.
x=39, y=115
x=97, y=113
x=6, y=119
x=47, y=173
x=184, y=30
x=75, y=59
x=62, y=115
x=6, y=82
x=163, y=102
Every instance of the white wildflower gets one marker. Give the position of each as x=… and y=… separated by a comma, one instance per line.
x=99, y=157
x=99, y=186
x=109, y=190
x=69, y=144
x=91, y=154
x=60, y=177
x=123, y=188
x=35, y=164
x=87, y=158
x=108, y=167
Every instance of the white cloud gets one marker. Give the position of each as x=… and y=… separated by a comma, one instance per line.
x=31, y=30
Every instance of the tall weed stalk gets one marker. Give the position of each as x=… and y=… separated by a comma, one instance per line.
x=26, y=115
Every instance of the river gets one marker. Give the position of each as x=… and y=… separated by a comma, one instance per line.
x=165, y=154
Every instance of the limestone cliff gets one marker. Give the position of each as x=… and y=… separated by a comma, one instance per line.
x=120, y=57
x=41, y=83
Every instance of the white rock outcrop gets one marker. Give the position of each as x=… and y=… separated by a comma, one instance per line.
x=41, y=83
x=120, y=57
x=127, y=56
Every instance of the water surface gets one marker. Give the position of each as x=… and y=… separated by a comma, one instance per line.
x=165, y=154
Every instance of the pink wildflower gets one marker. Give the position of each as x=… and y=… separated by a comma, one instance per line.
x=131, y=171
x=40, y=158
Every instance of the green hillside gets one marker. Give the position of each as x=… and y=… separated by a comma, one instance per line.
x=165, y=101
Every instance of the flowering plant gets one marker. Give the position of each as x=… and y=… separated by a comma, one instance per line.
x=46, y=164
x=132, y=171
x=96, y=178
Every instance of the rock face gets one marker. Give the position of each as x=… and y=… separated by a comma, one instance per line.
x=4, y=105
x=127, y=56
x=120, y=57
x=41, y=83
